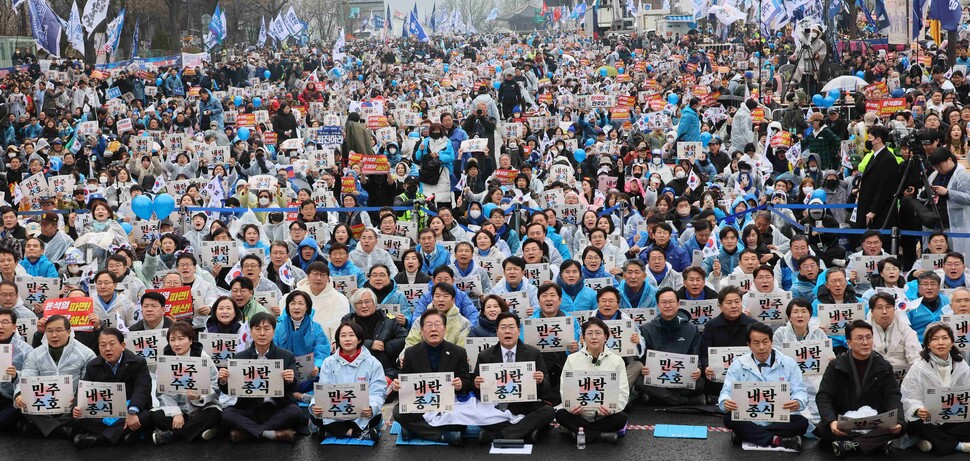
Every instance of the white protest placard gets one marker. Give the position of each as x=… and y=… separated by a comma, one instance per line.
x=947, y=405
x=621, y=337
x=426, y=393
x=147, y=344
x=518, y=302
x=591, y=389
x=304, y=368
x=390, y=309
x=811, y=355
x=597, y=284
x=549, y=334
x=319, y=230
x=181, y=375
x=474, y=145
x=832, y=318
x=63, y=184
x=742, y=281
x=641, y=315
x=124, y=125
x=393, y=244
x=89, y=128
x=508, y=382
x=102, y=400
x=34, y=290
x=474, y=345
x=701, y=311
x=255, y=378
x=263, y=182
x=222, y=253
x=407, y=229
x=386, y=135
x=26, y=328
x=413, y=291
x=492, y=265
x=345, y=284
x=471, y=285
x=761, y=401
x=885, y=420
x=144, y=231
x=345, y=401
x=537, y=274
x=267, y=299
x=767, y=308
x=719, y=359
x=670, y=370
x=961, y=329
x=865, y=265
x=220, y=346
x=6, y=361
x=932, y=262
x=689, y=150
x=47, y=395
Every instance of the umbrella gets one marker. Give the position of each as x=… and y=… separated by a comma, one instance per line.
x=610, y=71
x=844, y=83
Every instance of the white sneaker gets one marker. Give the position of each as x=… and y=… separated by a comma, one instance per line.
x=925, y=446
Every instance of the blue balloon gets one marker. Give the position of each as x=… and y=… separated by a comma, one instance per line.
x=158, y=81
x=257, y=101
x=360, y=77
x=446, y=67
x=620, y=70
x=238, y=100
x=818, y=100
x=829, y=101
x=498, y=69
x=603, y=72
x=898, y=93
x=706, y=137
x=496, y=84
x=860, y=74
x=127, y=227
x=673, y=98
x=579, y=155
x=393, y=82
x=266, y=74
x=164, y=205
x=835, y=94
x=243, y=133
x=56, y=163
x=142, y=207
x=549, y=74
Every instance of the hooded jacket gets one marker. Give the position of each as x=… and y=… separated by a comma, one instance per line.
x=308, y=338
x=364, y=368
x=43, y=267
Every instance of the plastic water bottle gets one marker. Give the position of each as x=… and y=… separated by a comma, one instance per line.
x=581, y=439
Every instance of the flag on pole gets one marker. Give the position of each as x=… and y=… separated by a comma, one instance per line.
x=917, y=15
x=262, y=32
x=134, y=39
x=114, y=33
x=415, y=27
x=75, y=31
x=95, y=11
x=882, y=17
x=433, y=22
x=337, y=45
x=947, y=12
x=492, y=15
x=217, y=26
x=865, y=10
x=45, y=26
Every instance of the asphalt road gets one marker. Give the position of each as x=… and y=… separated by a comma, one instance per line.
x=639, y=444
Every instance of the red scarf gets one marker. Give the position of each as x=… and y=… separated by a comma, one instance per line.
x=349, y=358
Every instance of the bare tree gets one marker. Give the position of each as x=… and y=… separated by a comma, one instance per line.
x=323, y=16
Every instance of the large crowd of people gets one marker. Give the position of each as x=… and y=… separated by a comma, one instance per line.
x=381, y=206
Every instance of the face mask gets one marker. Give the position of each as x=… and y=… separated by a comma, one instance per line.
x=656, y=160
x=263, y=201
x=813, y=169
x=392, y=151
x=831, y=183
x=868, y=145
x=475, y=214
x=411, y=189
x=807, y=190
x=104, y=180
x=816, y=214
x=435, y=135
x=680, y=175
x=637, y=175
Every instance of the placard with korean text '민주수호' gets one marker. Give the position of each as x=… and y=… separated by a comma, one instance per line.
x=670, y=370
x=102, y=400
x=255, y=378
x=343, y=401
x=761, y=402
x=47, y=395
x=508, y=382
x=181, y=375
x=427, y=393
x=549, y=334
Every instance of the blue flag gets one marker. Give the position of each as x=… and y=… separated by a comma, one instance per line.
x=45, y=26
x=433, y=11
x=134, y=39
x=917, y=15
x=834, y=8
x=865, y=10
x=882, y=17
x=947, y=12
x=580, y=10
x=415, y=28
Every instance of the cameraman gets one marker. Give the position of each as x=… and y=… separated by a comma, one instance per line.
x=914, y=215
x=951, y=183
x=879, y=181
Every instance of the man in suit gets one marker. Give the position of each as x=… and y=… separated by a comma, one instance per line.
x=510, y=349
x=433, y=355
x=116, y=365
x=269, y=418
x=152, y=313
x=879, y=182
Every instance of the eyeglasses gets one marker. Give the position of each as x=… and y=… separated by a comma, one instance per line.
x=6, y=323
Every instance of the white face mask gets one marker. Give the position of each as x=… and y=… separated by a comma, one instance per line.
x=474, y=214
x=656, y=160
x=680, y=175
x=263, y=201
x=104, y=180
x=807, y=190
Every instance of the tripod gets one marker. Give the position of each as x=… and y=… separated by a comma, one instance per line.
x=805, y=56
x=916, y=160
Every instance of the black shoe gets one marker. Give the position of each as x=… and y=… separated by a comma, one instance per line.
x=210, y=434
x=406, y=434
x=371, y=434
x=85, y=440
x=844, y=447
x=735, y=439
x=131, y=438
x=28, y=428
x=887, y=448
x=451, y=437
x=162, y=437
x=534, y=436
x=609, y=437
x=486, y=436
x=792, y=443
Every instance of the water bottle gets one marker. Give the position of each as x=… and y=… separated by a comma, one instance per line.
x=581, y=439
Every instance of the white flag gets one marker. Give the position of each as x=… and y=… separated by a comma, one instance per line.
x=95, y=11
x=74, y=30
x=293, y=24
x=337, y=55
x=262, y=33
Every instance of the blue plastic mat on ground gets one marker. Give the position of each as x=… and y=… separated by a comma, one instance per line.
x=348, y=441
x=680, y=432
